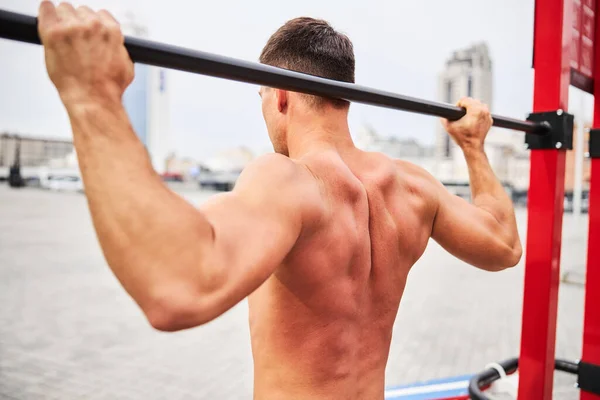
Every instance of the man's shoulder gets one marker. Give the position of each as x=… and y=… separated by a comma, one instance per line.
x=275, y=167
x=386, y=168
x=268, y=160
x=418, y=180
x=408, y=167
x=280, y=177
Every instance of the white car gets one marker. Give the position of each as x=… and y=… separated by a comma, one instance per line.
x=65, y=183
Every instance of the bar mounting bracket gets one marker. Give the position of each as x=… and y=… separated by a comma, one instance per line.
x=560, y=135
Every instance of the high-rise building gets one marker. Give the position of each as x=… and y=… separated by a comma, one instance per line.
x=468, y=73
x=146, y=101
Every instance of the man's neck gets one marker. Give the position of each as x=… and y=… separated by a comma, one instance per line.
x=310, y=131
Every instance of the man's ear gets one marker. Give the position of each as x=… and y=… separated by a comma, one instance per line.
x=281, y=96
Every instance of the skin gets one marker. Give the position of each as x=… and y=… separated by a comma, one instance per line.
x=319, y=236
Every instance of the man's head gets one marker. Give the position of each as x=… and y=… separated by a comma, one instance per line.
x=313, y=47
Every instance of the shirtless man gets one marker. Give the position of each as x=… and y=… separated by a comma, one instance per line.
x=320, y=236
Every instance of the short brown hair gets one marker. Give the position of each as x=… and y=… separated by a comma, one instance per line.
x=313, y=47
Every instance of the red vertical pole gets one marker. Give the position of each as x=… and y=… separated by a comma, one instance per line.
x=591, y=325
x=545, y=205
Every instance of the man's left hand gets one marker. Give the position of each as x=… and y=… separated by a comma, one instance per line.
x=85, y=54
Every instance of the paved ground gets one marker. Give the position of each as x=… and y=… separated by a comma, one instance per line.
x=68, y=331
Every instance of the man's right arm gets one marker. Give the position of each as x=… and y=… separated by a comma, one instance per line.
x=482, y=233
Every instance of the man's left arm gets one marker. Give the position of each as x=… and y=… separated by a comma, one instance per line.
x=183, y=266
x=186, y=266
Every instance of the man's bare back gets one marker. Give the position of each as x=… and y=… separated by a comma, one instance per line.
x=320, y=236
x=321, y=325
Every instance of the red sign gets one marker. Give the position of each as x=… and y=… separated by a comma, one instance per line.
x=575, y=35
x=582, y=47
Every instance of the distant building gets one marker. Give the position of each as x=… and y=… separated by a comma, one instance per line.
x=146, y=101
x=32, y=151
x=36, y=154
x=368, y=139
x=469, y=73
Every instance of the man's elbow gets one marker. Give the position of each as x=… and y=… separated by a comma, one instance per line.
x=517, y=254
x=509, y=257
x=174, y=311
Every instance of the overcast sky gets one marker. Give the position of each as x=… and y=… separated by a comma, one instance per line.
x=400, y=46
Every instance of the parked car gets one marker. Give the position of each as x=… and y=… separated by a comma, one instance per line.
x=65, y=183
x=223, y=181
x=172, y=177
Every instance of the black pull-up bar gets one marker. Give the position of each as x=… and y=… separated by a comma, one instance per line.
x=24, y=28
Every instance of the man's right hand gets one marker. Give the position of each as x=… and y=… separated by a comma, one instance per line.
x=470, y=131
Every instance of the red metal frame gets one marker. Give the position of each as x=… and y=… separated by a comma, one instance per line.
x=545, y=205
x=591, y=326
